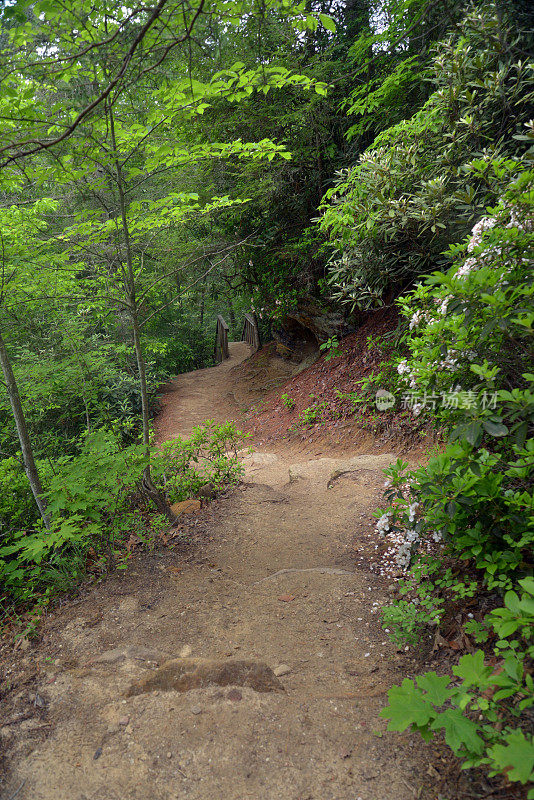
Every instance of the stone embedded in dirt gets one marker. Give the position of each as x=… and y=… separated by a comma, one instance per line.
x=186, y=507
x=186, y=651
x=294, y=475
x=98, y=753
x=129, y=604
x=281, y=669
x=196, y=710
x=286, y=598
x=183, y=674
x=235, y=695
x=123, y=722
x=131, y=653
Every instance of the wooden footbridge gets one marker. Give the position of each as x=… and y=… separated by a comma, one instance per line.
x=250, y=335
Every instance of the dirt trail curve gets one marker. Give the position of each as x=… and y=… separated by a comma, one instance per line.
x=279, y=589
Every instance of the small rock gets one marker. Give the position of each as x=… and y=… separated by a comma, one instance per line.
x=169, y=755
x=281, y=669
x=129, y=604
x=123, y=722
x=286, y=598
x=196, y=710
x=98, y=753
x=234, y=694
x=186, y=507
x=186, y=651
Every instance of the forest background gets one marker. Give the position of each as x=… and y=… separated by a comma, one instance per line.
x=164, y=163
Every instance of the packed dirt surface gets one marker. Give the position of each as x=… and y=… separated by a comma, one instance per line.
x=246, y=664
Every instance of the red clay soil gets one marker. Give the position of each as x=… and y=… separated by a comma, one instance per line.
x=321, y=383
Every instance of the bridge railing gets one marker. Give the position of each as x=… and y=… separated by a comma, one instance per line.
x=221, y=340
x=251, y=334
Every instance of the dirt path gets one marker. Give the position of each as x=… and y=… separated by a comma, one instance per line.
x=276, y=584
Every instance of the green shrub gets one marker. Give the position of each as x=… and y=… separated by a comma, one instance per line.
x=414, y=191
x=480, y=714
x=288, y=402
x=93, y=500
x=209, y=456
x=467, y=369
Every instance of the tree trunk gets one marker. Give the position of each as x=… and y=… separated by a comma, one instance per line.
x=22, y=432
x=129, y=287
x=231, y=314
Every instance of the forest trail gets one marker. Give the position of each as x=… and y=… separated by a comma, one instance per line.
x=276, y=582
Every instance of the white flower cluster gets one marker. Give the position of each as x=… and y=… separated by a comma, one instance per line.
x=468, y=266
x=402, y=544
x=453, y=358
x=418, y=317
x=478, y=231
x=443, y=305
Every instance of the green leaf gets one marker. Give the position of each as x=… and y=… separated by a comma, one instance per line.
x=472, y=669
x=407, y=706
x=494, y=428
x=328, y=22
x=511, y=601
x=435, y=687
x=527, y=584
x=459, y=731
x=516, y=757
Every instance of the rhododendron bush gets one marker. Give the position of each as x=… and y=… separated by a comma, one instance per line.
x=470, y=348
x=470, y=343
x=423, y=182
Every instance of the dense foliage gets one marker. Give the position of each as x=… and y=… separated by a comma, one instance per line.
x=161, y=165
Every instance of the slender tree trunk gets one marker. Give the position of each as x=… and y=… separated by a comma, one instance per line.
x=129, y=286
x=202, y=303
x=22, y=432
x=231, y=314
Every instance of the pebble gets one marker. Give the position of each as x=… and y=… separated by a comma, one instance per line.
x=186, y=651
x=281, y=669
x=196, y=710
x=169, y=755
x=124, y=721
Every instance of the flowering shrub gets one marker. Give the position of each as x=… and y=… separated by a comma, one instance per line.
x=469, y=341
x=469, y=327
x=392, y=214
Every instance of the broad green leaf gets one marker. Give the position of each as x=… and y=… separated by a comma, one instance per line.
x=459, y=731
x=516, y=757
x=407, y=706
x=472, y=669
x=435, y=687
x=328, y=22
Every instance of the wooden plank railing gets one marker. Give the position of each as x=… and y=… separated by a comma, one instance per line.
x=221, y=340
x=251, y=334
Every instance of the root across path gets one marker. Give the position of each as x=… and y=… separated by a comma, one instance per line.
x=255, y=670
